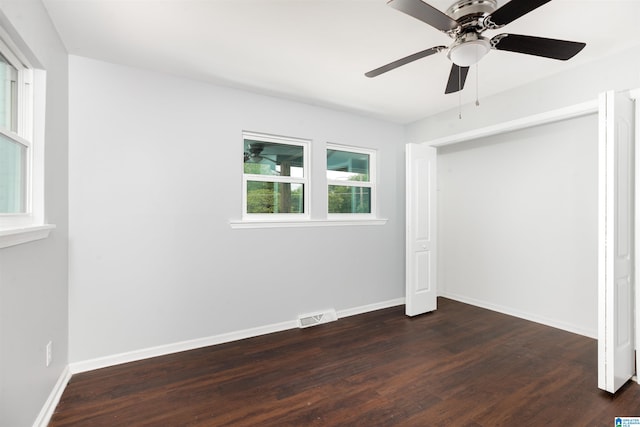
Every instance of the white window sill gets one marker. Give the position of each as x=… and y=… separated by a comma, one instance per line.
x=17, y=236
x=306, y=223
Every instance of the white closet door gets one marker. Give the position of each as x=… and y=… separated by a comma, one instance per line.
x=616, y=358
x=421, y=292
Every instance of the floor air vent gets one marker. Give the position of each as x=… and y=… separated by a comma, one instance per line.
x=312, y=319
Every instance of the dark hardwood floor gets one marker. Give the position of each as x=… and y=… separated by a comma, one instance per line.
x=458, y=366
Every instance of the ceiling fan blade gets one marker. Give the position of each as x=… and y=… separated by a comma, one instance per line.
x=457, y=77
x=426, y=13
x=403, y=61
x=511, y=11
x=539, y=46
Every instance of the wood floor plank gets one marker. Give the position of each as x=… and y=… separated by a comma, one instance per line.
x=460, y=365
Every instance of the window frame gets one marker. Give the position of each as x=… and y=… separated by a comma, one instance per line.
x=371, y=184
x=22, y=227
x=23, y=133
x=305, y=181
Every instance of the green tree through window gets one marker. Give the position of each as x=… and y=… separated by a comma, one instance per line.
x=274, y=175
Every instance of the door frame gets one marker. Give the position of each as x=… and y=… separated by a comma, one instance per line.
x=573, y=111
x=570, y=112
x=635, y=96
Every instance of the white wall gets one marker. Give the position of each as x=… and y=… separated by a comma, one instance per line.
x=577, y=84
x=33, y=276
x=155, y=176
x=518, y=223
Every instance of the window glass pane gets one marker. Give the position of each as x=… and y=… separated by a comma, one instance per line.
x=347, y=166
x=269, y=158
x=349, y=199
x=274, y=197
x=13, y=161
x=8, y=95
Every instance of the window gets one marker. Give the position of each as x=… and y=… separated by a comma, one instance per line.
x=350, y=180
x=22, y=108
x=14, y=145
x=275, y=179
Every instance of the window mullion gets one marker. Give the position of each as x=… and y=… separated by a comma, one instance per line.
x=350, y=183
x=275, y=178
x=25, y=116
x=15, y=137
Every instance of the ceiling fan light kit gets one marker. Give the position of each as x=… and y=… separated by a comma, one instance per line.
x=468, y=52
x=465, y=21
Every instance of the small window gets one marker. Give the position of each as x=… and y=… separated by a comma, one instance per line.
x=351, y=180
x=22, y=129
x=275, y=180
x=16, y=111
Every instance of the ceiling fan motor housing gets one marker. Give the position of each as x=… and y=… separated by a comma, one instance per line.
x=469, y=12
x=469, y=47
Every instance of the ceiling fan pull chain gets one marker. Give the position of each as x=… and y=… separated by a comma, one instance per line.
x=477, y=89
x=459, y=93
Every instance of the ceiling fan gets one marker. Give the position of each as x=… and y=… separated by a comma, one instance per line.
x=254, y=155
x=464, y=22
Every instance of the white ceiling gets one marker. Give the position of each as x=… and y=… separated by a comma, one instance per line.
x=317, y=51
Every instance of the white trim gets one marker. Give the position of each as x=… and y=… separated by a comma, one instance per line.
x=635, y=95
x=521, y=314
x=11, y=51
x=276, y=139
x=560, y=114
x=162, y=350
x=605, y=264
x=17, y=236
x=43, y=418
x=307, y=223
x=370, y=307
x=15, y=137
x=146, y=353
x=36, y=196
x=31, y=134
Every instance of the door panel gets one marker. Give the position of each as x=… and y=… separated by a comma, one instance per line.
x=421, y=290
x=616, y=357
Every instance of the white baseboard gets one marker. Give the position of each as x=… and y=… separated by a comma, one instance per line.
x=370, y=307
x=146, y=353
x=523, y=315
x=162, y=350
x=43, y=418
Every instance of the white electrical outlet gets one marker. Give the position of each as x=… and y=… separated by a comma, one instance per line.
x=48, y=353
